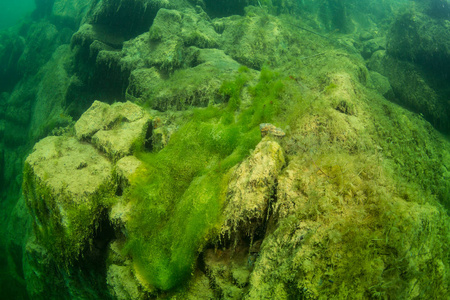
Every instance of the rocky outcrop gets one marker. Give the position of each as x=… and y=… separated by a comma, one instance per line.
x=69, y=185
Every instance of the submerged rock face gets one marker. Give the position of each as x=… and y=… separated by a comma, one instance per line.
x=67, y=185
x=418, y=62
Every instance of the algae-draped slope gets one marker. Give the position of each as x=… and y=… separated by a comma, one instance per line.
x=178, y=195
x=199, y=206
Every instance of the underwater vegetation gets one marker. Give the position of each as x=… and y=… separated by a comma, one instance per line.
x=252, y=150
x=178, y=193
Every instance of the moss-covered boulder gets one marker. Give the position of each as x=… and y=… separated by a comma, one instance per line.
x=67, y=186
x=172, y=31
x=48, y=109
x=122, y=283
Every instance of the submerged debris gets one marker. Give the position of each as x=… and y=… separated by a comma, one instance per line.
x=267, y=128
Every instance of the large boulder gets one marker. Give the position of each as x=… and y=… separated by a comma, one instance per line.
x=67, y=185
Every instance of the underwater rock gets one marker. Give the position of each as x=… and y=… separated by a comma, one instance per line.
x=251, y=189
x=342, y=92
x=114, y=129
x=125, y=168
x=173, y=31
x=195, y=86
x=228, y=270
x=320, y=229
x=419, y=46
x=88, y=33
x=48, y=109
x=129, y=17
x=418, y=38
x=42, y=39
x=372, y=45
x=122, y=284
x=267, y=128
x=66, y=184
x=381, y=84
x=40, y=272
x=247, y=39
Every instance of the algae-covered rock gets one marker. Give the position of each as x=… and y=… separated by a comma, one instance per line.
x=126, y=168
x=122, y=284
x=46, y=280
x=246, y=40
x=411, y=89
x=114, y=129
x=67, y=185
x=172, y=31
x=229, y=270
x=42, y=40
x=195, y=86
x=11, y=48
x=381, y=84
x=320, y=244
x=48, y=111
x=418, y=64
x=40, y=272
x=250, y=190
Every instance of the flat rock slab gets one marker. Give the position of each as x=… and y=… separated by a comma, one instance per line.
x=114, y=129
x=65, y=164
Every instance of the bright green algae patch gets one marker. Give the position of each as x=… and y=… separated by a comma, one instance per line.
x=179, y=192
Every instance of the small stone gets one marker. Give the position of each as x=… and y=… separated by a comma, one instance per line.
x=267, y=128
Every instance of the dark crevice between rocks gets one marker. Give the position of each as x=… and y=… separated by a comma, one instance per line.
x=119, y=190
x=148, y=141
x=239, y=251
x=92, y=263
x=102, y=237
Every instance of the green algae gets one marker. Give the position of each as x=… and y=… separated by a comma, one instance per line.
x=178, y=194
